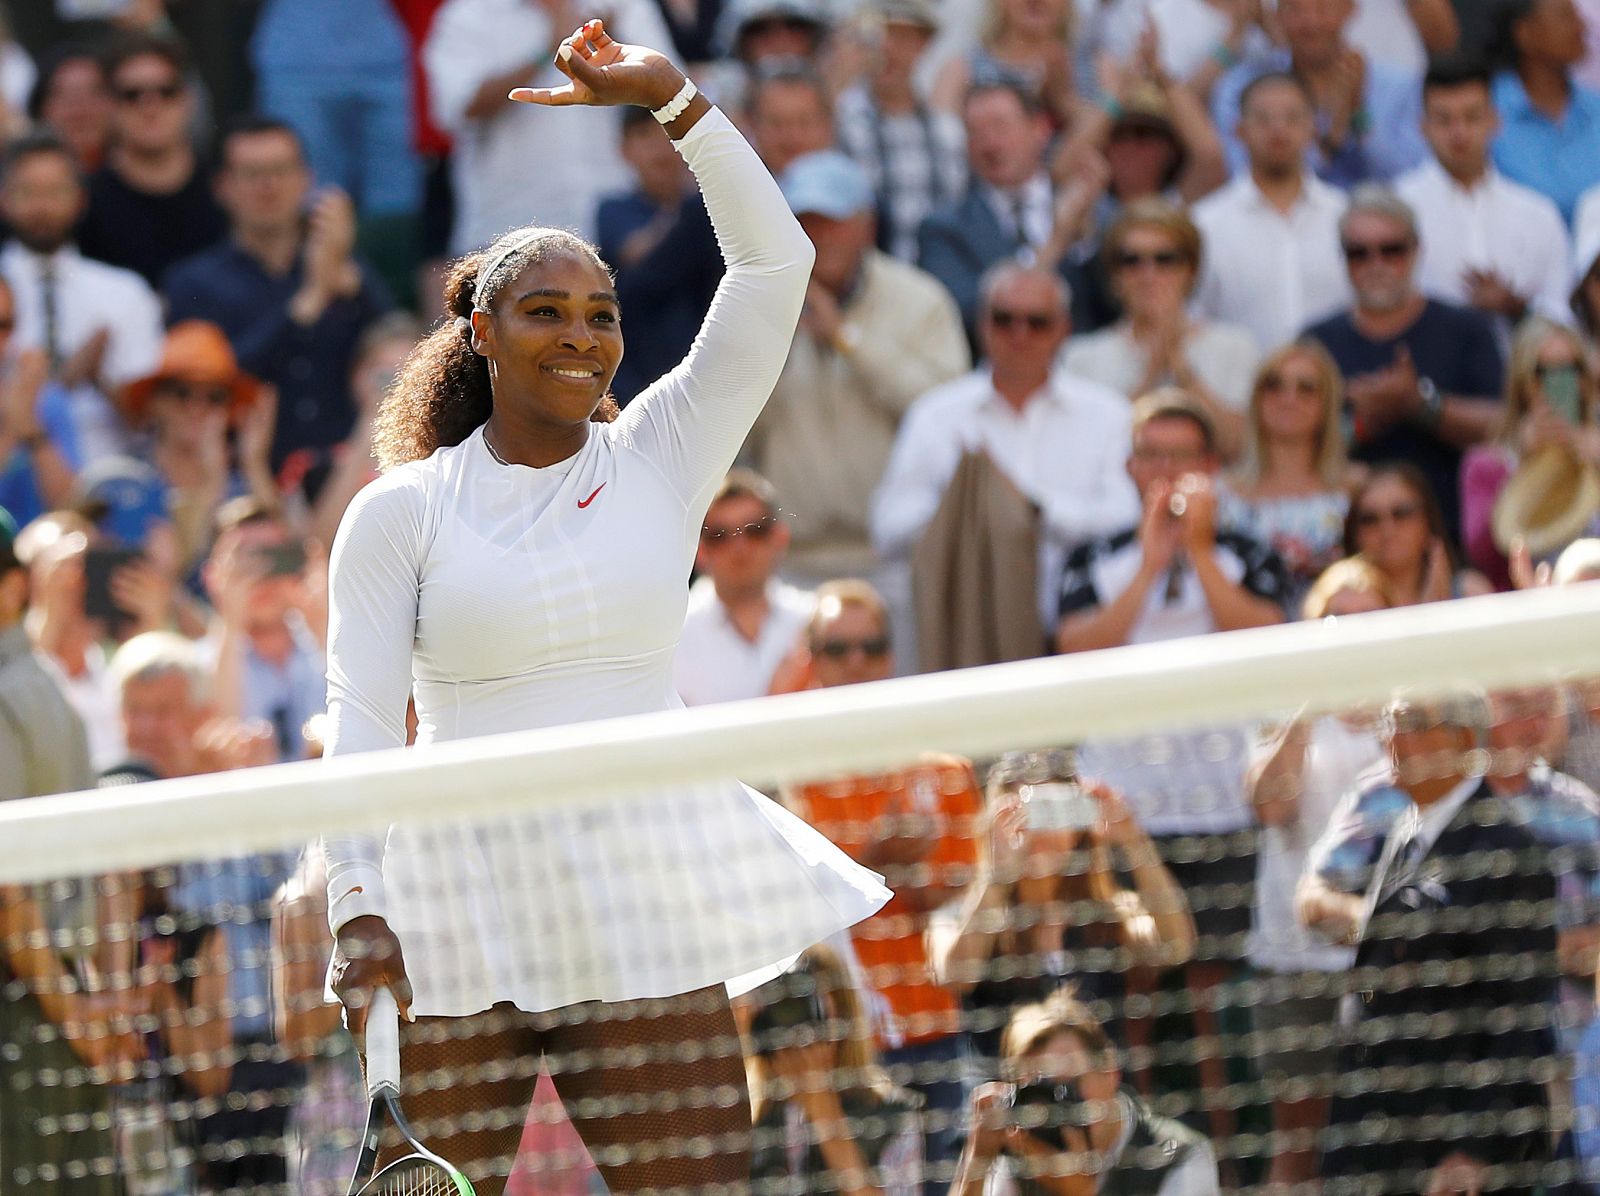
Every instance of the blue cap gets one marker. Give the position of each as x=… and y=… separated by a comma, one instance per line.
x=827, y=183
x=124, y=497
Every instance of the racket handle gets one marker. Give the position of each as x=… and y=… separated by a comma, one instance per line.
x=383, y=1043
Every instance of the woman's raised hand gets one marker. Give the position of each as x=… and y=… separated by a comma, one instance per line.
x=605, y=72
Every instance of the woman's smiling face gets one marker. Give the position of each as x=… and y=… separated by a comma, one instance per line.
x=554, y=339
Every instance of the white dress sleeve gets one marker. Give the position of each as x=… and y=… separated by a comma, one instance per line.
x=692, y=422
x=374, y=576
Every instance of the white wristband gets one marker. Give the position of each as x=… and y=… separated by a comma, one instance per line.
x=673, y=108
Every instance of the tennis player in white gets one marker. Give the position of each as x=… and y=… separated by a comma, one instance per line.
x=523, y=563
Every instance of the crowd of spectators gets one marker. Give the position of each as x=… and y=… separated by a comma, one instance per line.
x=1130, y=320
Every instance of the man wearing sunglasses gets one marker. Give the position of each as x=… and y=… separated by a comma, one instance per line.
x=1423, y=378
x=151, y=204
x=918, y=827
x=1059, y=438
x=742, y=622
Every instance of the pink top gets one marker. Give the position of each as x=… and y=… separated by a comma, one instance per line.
x=1484, y=471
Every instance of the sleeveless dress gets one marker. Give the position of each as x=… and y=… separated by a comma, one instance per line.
x=504, y=598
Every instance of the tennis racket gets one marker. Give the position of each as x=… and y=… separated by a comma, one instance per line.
x=420, y=1172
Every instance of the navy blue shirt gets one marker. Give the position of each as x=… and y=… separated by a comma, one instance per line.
x=1455, y=347
x=664, y=296
x=309, y=366
x=145, y=232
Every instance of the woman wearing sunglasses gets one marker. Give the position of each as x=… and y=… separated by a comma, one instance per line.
x=1395, y=525
x=1152, y=251
x=1551, y=399
x=1292, y=489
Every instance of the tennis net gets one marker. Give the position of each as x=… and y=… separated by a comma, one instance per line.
x=1316, y=902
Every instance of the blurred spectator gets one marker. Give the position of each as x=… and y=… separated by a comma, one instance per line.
x=1011, y=208
x=269, y=590
x=1549, y=434
x=1422, y=378
x=221, y=910
x=55, y=1134
x=1153, y=252
x=325, y=1126
x=874, y=334
x=1177, y=573
x=476, y=52
x=339, y=74
x=1154, y=132
x=1025, y=44
x=285, y=285
x=54, y=550
x=72, y=98
x=753, y=38
x=99, y=325
x=1060, y=439
x=915, y=154
x=38, y=449
x=1298, y=774
x=826, y=1116
x=1487, y=242
x=1292, y=489
x=919, y=828
x=742, y=622
x=1193, y=41
x=1049, y=907
x=1366, y=113
x=381, y=351
x=1212, y=578
x=1271, y=236
x=1453, y=1131
x=657, y=239
x=1550, y=133
x=1069, y=1122
x=210, y=427
x=17, y=73
x=788, y=113
x=1397, y=527
x=150, y=204
x=1405, y=34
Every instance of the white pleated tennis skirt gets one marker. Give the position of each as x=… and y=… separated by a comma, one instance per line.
x=648, y=895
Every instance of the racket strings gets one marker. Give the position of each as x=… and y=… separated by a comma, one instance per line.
x=413, y=1178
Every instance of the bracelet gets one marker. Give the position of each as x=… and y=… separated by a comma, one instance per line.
x=673, y=108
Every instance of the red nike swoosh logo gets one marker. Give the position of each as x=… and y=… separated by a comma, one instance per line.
x=584, y=502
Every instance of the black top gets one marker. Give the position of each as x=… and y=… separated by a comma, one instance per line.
x=149, y=233
x=1455, y=347
x=1455, y=987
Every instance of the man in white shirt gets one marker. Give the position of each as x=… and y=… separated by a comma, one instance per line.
x=1487, y=242
x=514, y=164
x=1062, y=440
x=99, y=325
x=742, y=621
x=1272, y=260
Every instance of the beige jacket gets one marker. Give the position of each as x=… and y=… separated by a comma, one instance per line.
x=824, y=438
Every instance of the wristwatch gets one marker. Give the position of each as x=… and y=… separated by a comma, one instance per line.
x=1432, y=409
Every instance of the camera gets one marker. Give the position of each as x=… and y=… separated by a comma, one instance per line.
x=791, y=1013
x=1044, y=1108
x=1058, y=806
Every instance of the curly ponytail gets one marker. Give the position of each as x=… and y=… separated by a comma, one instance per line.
x=442, y=393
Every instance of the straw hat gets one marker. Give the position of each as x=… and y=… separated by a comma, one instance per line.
x=1548, y=502
x=195, y=351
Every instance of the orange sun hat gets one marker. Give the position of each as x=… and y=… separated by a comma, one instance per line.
x=195, y=351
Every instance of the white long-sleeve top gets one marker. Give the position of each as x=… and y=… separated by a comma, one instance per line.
x=509, y=597
x=1066, y=449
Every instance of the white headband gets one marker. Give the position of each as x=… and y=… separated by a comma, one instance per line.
x=499, y=259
